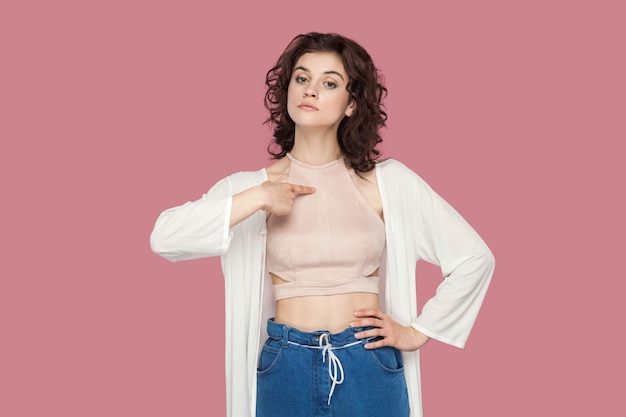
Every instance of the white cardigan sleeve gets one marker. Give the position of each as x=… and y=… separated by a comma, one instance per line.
x=442, y=237
x=423, y=226
x=195, y=229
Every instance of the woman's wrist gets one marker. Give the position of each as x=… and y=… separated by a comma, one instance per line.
x=419, y=338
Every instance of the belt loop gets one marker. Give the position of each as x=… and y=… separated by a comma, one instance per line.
x=285, y=340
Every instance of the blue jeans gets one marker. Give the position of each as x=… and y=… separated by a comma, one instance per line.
x=317, y=374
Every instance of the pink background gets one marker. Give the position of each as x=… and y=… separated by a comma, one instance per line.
x=113, y=111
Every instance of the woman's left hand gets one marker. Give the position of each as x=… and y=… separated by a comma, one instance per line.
x=393, y=334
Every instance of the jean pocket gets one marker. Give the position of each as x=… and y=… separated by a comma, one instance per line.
x=388, y=359
x=271, y=352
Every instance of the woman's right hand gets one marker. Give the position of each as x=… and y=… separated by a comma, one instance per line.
x=273, y=197
x=279, y=196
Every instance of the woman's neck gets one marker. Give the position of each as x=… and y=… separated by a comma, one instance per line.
x=315, y=149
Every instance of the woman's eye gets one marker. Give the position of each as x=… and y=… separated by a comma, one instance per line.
x=330, y=84
x=300, y=79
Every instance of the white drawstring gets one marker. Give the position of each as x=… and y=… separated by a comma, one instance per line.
x=335, y=369
x=334, y=364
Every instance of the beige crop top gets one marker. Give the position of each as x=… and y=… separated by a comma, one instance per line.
x=331, y=242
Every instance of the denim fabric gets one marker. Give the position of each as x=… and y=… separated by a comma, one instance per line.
x=293, y=377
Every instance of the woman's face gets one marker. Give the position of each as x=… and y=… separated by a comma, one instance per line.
x=317, y=94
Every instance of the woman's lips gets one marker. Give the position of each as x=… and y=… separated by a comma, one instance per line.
x=308, y=107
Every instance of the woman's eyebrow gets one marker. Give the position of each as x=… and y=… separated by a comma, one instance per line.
x=325, y=72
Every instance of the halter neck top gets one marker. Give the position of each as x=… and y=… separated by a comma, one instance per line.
x=331, y=242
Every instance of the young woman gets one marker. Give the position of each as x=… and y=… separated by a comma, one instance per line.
x=319, y=250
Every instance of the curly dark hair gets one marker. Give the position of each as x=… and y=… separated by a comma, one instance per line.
x=358, y=134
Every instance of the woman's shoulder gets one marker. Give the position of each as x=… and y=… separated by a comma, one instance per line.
x=241, y=180
x=278, y=171
x=393, y=167
x=246, y=175
x=391, y=171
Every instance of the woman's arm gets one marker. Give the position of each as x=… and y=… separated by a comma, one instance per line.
x=201, y=228
x=422, y=225
x=196, y=229
x=444, y=238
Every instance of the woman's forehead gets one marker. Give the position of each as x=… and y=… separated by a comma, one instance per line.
x=320, y=62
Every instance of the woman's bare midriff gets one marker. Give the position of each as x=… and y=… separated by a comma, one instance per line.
x=323, y=312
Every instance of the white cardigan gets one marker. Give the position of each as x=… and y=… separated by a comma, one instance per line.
x=419, y=224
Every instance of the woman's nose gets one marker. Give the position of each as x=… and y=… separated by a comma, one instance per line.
x=310, y=92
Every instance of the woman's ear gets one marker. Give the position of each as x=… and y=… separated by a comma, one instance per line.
x=350, y=108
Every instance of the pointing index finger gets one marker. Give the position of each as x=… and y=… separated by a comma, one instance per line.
x=303, y=189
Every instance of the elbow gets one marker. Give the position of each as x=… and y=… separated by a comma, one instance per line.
x=490, y=260
x=487, y=260
x=486, y=265
x=156, y=243
x=159, y=246
x=175, y=248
